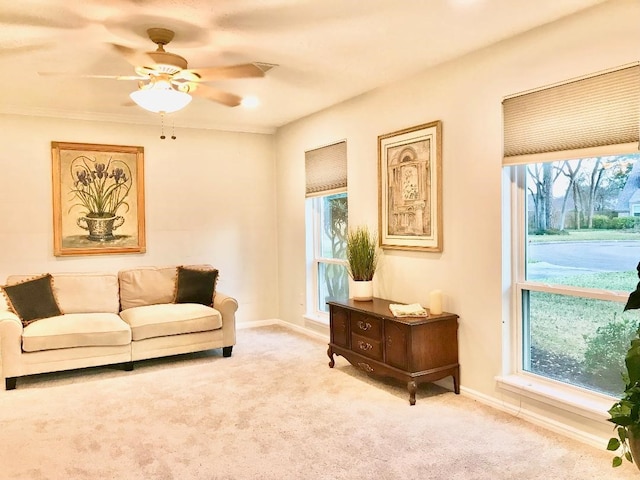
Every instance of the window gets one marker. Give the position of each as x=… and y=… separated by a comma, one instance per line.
x=328, y=265
x=326, y=217
x=572, y=149
x=580, y=246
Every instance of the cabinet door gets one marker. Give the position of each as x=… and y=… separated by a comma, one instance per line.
x=396, y=341
x=339, y=326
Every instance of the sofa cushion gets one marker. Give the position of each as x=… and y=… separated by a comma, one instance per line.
x=33, y=299
x=76, y=330
x=196, y=285
x=170, y=319
x=146, y=286
x=83, y=292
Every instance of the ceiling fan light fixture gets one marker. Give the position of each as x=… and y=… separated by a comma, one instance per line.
x=160, y=97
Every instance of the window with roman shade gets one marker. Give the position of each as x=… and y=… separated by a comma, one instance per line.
x=326, y=219
x=572, y=155
x=326, y=169
x=587, y=117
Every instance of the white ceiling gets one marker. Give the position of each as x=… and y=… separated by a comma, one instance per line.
x=326, y=50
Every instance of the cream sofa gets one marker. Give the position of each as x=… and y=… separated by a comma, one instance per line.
x=112, y=318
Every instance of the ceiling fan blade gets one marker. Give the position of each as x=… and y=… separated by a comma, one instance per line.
x=24, y=48
x=208, y=74
x=225, y=98
x=48, y=17
x=133, y=56
x=80, y=75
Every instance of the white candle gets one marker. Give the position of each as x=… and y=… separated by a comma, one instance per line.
x=435, y=302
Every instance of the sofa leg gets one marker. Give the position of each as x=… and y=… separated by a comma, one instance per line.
x=127, y=366
x=226, y=351
x=10, y=383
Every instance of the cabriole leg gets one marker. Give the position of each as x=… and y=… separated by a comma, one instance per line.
x=412, y=387
x=331, y=360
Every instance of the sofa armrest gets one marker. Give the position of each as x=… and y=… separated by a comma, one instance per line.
x=227, y=306
x=10, y=345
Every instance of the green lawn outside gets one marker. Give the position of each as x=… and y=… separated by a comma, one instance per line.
x=563, y=328
x=585, y=235
x=559, y=323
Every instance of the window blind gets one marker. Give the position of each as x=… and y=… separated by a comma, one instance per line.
x=591, y=116
x=326, y=169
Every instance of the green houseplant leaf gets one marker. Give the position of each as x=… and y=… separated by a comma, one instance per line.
x=634, y=297
x=625, y=413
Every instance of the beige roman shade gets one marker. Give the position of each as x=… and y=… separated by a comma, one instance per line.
x=326, y=169
x=591, y=116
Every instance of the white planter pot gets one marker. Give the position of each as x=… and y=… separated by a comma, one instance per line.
x=362, y=291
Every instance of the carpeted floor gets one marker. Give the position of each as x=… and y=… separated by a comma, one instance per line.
x=274, y=410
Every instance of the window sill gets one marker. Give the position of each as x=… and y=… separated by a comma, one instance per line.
x=587, y=404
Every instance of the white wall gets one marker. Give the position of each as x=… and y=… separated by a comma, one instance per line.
x=466, y=95
x=210, y=198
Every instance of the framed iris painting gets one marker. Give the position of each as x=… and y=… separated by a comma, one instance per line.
x=98, y=199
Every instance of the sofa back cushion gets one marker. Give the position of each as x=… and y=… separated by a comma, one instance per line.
x=146, y=286
x=82, y=292
x=149, y=285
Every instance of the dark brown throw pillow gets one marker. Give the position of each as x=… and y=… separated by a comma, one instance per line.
x=33, y=299
x=195, y=286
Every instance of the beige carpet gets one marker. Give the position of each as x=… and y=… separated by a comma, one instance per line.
x=274, y=410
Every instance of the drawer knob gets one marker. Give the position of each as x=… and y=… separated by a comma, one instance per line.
x=365, y=366
x=364, y=345
x=364, y=325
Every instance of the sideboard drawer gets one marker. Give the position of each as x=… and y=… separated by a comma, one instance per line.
x=366, y=346
x=366, y=326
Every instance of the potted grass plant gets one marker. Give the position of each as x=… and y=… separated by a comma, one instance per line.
x=625, y=413
x=362, y=260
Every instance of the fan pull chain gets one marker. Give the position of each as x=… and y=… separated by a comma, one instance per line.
x=173, y=128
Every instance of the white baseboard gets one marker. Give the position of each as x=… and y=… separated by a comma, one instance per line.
x=258, y=323
x=536, y=419
x=277, y=321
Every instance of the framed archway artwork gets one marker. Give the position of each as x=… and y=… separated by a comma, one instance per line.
x=410, y=188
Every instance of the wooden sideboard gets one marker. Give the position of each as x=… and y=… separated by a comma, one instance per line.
x=410, y=349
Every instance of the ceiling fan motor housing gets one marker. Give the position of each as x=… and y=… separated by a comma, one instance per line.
x=165, y=62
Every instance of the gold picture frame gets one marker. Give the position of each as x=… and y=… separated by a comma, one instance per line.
x=410, y=188
x=98, y=199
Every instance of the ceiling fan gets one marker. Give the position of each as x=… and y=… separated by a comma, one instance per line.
x=165, y=74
